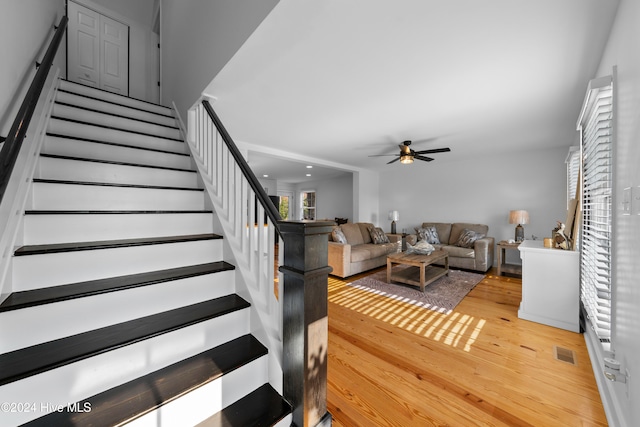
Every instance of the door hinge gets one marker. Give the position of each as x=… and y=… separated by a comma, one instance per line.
x=158, y=84
x=158, y=45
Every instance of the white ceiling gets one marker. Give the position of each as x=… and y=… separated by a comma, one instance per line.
x=336, y=81
x=288, y=171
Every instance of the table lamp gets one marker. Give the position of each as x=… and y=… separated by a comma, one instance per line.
x=393, y=216
x=519, y=217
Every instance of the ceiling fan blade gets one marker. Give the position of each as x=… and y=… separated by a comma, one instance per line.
x=394, y=160
x=435, y=150
x=419, y=157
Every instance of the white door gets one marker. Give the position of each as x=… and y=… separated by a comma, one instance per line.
x=97, y=50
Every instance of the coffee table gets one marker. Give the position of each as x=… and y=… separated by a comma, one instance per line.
x=424, y=273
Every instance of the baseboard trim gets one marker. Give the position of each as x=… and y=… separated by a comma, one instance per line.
x=612, y=408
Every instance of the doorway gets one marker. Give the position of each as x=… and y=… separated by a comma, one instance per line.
x=285, y=205
x=97, y=50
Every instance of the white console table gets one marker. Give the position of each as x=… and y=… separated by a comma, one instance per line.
x=550, y=286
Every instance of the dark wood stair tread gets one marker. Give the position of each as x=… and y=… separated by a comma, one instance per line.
x=113, y=162
x=109, y=244
x=109, y=184
x=32, y=298
x=82, y=122
x=262, y=407
x=66, y=104
x=98, y=212
x=116, y=144
x=70, y=92
x=28, y=361
x=113, y=93
x=126, y=401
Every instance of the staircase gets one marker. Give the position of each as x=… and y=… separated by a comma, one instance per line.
x=123, y=309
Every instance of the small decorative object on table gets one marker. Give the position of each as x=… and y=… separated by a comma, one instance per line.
x=422, y=247
x=561, y=241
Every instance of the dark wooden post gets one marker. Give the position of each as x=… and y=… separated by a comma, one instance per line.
x=305, y=333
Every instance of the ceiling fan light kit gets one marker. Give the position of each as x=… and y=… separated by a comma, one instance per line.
x=407, y=155
x=407, y=159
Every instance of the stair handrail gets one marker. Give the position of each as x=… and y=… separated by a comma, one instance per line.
x=240, y=203
x=270, y=209
x=13, y=143
x=293, y=315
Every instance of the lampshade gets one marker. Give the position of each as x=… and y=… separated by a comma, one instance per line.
x=518, y=217
x=394, y=215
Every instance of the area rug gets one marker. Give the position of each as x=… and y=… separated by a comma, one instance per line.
x=442, y=296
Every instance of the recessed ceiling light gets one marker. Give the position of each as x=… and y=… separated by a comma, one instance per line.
x=309, y=167
x=265, y=176
x=308, y=174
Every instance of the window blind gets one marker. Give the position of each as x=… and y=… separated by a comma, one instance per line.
x=596, y=140
x=573, y=172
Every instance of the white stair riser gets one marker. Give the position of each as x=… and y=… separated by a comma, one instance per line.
x=111, y=108
x=42, y=229
x=112, y=97
x=57, y=320
x=77, y=381
x=109, y=120
x=83, y=171
x=80, y=130
x=52, y=269
x=203, y=402
x=92, y=150
x=53, y=196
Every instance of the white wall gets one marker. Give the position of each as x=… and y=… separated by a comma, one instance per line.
x=141, y=11
x=143, y=43
x=367, y=193
x=622, y=51
x=479, y=190
x=22, y=47
x=198, y=39
x=271, y=185
x=334, y=197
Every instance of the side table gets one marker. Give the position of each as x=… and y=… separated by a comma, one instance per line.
x=503, y=266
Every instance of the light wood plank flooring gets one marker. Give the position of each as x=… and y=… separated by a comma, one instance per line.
x=394, y=364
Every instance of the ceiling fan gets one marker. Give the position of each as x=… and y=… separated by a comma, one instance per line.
x=407, y=155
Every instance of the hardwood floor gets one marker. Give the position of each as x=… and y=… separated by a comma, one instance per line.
x=394, y=364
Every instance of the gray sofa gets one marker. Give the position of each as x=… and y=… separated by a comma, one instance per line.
x=359, y=253
x=479, y=257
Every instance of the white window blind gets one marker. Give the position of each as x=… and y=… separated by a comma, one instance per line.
x=596, y=135
x=573, y=172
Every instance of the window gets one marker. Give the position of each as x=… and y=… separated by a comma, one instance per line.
x=596, y=143
x=308, y=208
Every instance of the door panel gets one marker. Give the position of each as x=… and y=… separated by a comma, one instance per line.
x=83, y=45
x=114, y=68
x=98, y=50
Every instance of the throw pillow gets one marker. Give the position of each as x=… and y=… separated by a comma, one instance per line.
x=338, y=236
x=468, y=238
x=378, y=236
x=430, y=234
x=422, y=247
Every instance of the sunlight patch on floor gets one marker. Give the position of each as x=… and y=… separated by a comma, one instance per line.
x=454, y=329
